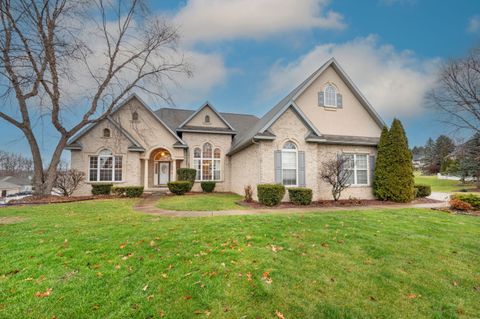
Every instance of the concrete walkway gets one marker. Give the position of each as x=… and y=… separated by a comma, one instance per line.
x=147, y=206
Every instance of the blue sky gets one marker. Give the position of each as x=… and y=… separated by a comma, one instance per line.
x=247, y=54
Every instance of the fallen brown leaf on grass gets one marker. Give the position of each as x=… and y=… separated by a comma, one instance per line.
x=145, y=287
x=279, y=314
x=276, y=248
x=47, y=293
x=249, y=276
x=187, y=297
x=266, y=277
x=122, y=246
x=412, y=296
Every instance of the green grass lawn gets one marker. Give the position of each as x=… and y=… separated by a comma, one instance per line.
x=102, y=260
x=203, y=202
x=443, y=185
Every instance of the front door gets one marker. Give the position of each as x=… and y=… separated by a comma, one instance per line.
x=163, y=173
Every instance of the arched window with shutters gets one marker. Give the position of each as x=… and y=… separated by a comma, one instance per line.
x=289, y=164
x=207, y=162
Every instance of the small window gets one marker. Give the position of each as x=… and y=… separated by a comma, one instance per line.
x=358, y=165
x=330, y=95
x=106, y=132
x=289, y=164
x=207, y=118
x=135, y=116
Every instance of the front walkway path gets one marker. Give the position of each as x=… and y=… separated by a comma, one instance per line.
x=147, y=206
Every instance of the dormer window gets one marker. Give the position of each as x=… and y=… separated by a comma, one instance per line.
x=330, y=96
x=135, y=116
x=207, y=119
x=106, y=132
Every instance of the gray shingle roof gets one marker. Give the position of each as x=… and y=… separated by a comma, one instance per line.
x=346, y=140
x=242, y=123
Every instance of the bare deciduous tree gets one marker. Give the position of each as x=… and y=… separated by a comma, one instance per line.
x=457, y=95
x=12, y=164
x=67, y=181
x=335, y=172
x=74, y=61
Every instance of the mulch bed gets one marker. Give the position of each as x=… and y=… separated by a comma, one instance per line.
x=475, y=213
x=339, y=203
x=51, y=199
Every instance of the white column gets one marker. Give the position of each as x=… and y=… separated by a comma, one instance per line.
x=145, y=174
x=174, y=170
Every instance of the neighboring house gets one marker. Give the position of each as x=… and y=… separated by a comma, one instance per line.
x=418, y=161
x=326, y=115
x=10, y=185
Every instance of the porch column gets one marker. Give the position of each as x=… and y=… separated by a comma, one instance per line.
x=174, y=170
x=145, y=174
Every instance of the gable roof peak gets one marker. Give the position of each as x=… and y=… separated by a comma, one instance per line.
x=204, y=105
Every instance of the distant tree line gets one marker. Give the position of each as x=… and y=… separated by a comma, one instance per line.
x=443, y=156
x=12, y=164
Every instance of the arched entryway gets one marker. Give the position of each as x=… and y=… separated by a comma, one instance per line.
x=162, y=166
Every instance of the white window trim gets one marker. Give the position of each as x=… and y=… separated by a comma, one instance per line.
x=355, y=169
x=325, y=96
x=98, y=181
x=213, y=159
x=296, y=162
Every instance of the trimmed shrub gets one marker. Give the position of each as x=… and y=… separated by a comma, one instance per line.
x=472, y=199
x=208, y=187
x=300, y=195
x=179, y=187
x=101, y=189
x=380, y=180
x=270, y=194
x=187, y=174
x=128, y=191
x=422, y=190
x=460, y=205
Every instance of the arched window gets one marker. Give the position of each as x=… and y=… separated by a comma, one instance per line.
x=289, y=164
x=106, y=132
x=207, y=118
x=135, y=116
x=207, y=162
x=330, y=95
x=105, y=167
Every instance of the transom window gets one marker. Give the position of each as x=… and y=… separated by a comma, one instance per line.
x=330, y=95
x=105, y=167
x=207, y=162
x=289, y=164
x=358, y=164
x=106, y=132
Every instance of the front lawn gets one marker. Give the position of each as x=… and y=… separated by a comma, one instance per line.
x=443, y=185
x=100, y=259
x=201, y=202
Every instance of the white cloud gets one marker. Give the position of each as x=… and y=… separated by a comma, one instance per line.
x=394, y=82
x=210, y=20
x=474, y=24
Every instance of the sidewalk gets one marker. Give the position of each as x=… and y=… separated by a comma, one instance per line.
x=147, y=206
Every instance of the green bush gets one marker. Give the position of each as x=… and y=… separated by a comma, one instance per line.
x=422, y=190
x=208, y=187
x=128, y=191
x=270, y=194
x=179, y=187
x=300, y=195
x=472, y=199
x=101, y=189
x=187, y=174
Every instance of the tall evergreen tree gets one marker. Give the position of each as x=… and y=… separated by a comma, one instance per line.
x=400, y=179
x=431, y=165
x=380, y=189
